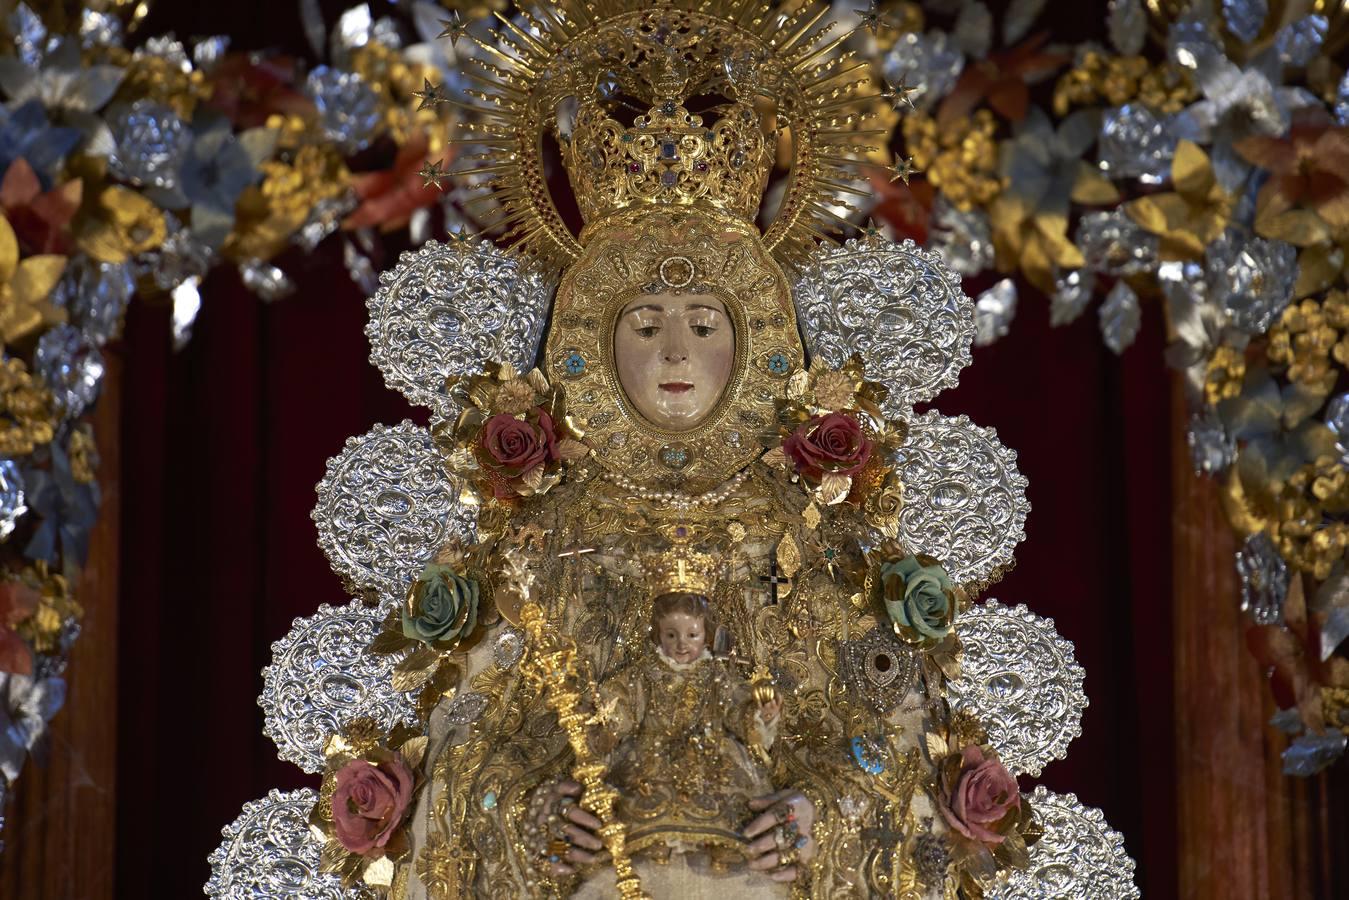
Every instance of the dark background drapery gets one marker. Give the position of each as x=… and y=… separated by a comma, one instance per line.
x=224, y=442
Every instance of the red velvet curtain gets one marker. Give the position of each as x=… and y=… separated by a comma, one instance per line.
x=225, y=440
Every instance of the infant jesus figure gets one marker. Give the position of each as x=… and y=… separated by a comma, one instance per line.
x=687, y=739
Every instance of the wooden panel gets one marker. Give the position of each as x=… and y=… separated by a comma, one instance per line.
x=1247, y=832
x=59, y=834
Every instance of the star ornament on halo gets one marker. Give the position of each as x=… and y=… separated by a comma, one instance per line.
x=430, y=94
x=899, y=95
x=454, y=26
x=433, y=173
x=902, y=169
x=871, y=18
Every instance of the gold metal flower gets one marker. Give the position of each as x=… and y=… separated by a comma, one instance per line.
x=27, y=412
x=24, y=286
x=1193, y=215
x=120, y=225
x=960, y=161
x=269, y=214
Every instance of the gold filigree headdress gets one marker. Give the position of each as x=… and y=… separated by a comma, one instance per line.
x=773, y=67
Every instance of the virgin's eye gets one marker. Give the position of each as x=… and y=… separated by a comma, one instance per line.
x=647, y=331
x=704, y=330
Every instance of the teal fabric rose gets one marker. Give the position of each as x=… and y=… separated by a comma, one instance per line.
x=918, y=598
x=442, y=607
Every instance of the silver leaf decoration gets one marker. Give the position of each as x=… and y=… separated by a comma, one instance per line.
x=386, y=505
x=1245, y=18
x=1311, y=753
x=12, y=506
x=1289, y=721
x=1193, y=42
x=1251, y=277
x=993, y=312
x=1298, y=42
x=447, y=310
x=151, y=142
x=1020, y=16
x=1121, y=317
x=1212, y=450
x=1127, y=25
x=965, y=502
x=964, y=239
x=265, y=280
x=1072, y=292
x=1136, y=143
x=270, y=851
x=1337, y=420
x=348, y=108
x=895, y=304
x=1022, y=681
x=1114, y=244
x=930, y=63
x=973, y=30
x=321, y=677
x=72, y=368
x=186, y=304
x=1264, y=579
x=1334, y=631
x=359, y=267
x=1080, y=857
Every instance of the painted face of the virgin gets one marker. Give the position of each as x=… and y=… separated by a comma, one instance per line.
x=674, y=356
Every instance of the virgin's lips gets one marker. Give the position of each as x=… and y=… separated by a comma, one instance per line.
x=676, y=387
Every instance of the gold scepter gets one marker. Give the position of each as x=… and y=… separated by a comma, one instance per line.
x=555, y=665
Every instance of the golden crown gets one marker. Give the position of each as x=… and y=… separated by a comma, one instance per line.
x=681, y=568
x=668, y=156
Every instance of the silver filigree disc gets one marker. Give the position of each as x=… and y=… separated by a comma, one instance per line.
x=321, y=678
x=964, y=500
x=897, y=305
x=385, y=506
x=446, y=310
x=1020, y=678
x=1080, y=857
x=269, y=851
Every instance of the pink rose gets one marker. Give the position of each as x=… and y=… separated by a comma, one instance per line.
x=832, y=444
x=369, y=802
x=981, y=797
x=516, y=446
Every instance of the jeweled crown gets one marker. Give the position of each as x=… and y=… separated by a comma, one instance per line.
x=668, y=156
x=681, y=568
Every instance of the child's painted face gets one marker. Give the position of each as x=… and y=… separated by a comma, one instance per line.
x=681, y=636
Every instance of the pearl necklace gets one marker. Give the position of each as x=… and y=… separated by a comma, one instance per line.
x=674, y=498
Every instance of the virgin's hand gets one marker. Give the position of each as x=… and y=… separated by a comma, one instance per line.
x=561, y=818
x=780, y=835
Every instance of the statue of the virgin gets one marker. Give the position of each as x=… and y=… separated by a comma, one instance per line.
x=702, y=622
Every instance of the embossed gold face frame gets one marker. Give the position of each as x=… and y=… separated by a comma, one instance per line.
x=622, y=260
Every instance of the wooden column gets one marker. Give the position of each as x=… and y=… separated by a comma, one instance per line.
x=1247, y=832
x=59, y=832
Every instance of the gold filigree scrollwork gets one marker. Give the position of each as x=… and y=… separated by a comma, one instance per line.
x=555, y=665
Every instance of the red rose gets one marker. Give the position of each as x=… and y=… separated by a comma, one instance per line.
x=982, y=799
x=517, y=446
x=369, y=802
x=832, y=444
